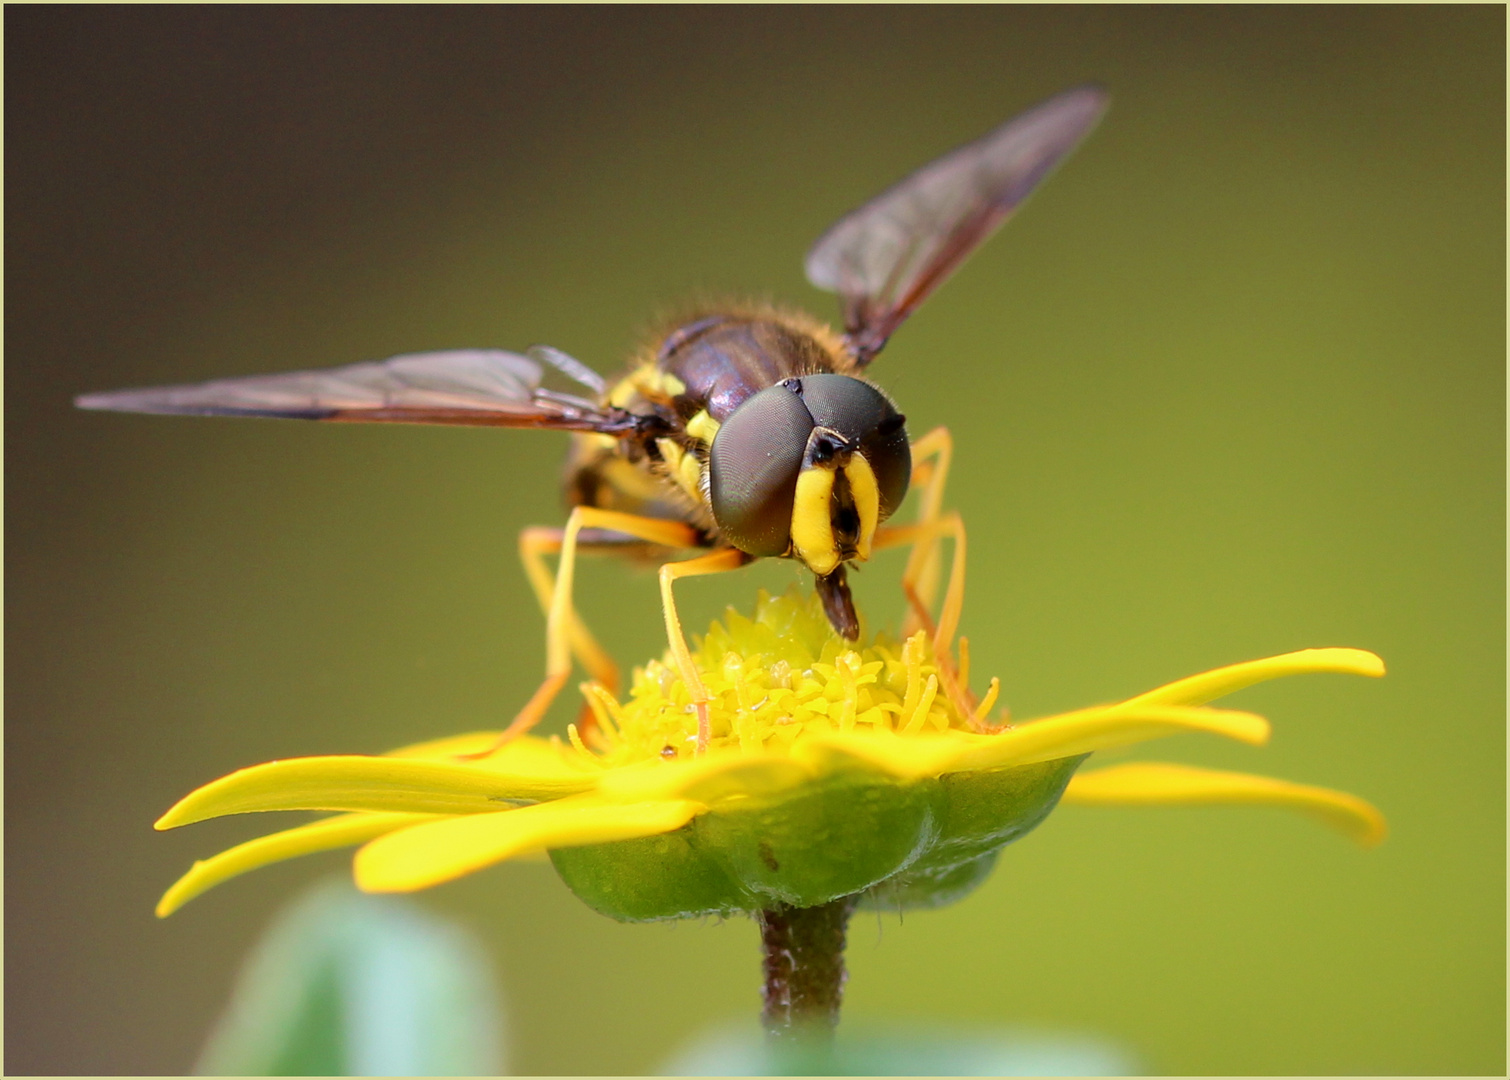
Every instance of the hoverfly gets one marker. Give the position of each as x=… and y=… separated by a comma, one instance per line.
x=742, y=433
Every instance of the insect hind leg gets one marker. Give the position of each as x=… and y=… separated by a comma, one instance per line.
x=535, y=543
x=564, y=633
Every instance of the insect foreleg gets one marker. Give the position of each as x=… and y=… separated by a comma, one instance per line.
x=952, y=526
x=534, y=544
x=930, y=470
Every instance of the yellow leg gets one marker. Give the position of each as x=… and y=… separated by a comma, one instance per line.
x=534, y=544
x=562, y=621
x=952, y=526
x=949, y=525
x=931, y=456
x=716, y=562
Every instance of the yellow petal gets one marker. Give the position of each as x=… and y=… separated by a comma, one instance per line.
x=326, y=835
x=1158, y=784
x=1210, y=685
x=1104, y=729
x=438, y=851
x=369, y=783
x=1047, y=739
x=708, y=778
x=905, y=756
x=523, y=756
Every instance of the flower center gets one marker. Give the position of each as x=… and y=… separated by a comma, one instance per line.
x=773, y=678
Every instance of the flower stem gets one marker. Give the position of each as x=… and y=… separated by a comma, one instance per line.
x=804, y=968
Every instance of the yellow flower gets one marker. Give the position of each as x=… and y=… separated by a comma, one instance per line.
x=834, y=770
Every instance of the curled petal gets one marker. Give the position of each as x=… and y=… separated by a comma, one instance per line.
x=371, y=783
x=1159, y=784
x=1104, y=729
x=1048, y=739
x=1210, y=685
x=438, y=851
x=336, y=832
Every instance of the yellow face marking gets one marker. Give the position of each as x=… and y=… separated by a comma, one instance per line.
x=812, y=513
x=867, y=495
x=812, y=525
x=703, y=427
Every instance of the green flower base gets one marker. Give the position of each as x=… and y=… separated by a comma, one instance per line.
x=905, y=845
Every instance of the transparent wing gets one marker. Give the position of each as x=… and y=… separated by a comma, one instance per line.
x=886, y=257
x=462, y=386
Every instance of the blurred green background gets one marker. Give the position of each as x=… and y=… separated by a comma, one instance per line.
x=1231, y=385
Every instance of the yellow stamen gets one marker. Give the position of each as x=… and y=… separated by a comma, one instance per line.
x=912, y=657
x=603, y=706
x=978, y=718
x=848, y=670
x=920, y=713
x=580, y=746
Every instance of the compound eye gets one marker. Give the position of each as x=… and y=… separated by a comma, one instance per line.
x=863, y=415
x=753, y=467
x=890, y=457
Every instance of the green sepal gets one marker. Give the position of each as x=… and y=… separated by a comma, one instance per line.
x=654, y=877
x=827, y=840
x=929, y=888
x=906, y=844
x=984, y=811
